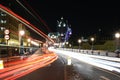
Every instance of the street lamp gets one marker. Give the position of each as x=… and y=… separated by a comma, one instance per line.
x=67, y=44
x=21, y=32
x=92, y=39
x=79, y=41
x=70, y=45
x=21, y=49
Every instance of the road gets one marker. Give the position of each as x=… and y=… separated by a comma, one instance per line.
x=88, y=71
x=26, y=64
x=80, y=70
x=54, y=71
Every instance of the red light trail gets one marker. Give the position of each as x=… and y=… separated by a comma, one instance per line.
x=25, y=22
x=24, y=67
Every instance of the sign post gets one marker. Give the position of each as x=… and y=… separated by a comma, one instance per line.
x=7, y=37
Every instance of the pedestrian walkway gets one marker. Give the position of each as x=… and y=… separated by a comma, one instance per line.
x=104, y=57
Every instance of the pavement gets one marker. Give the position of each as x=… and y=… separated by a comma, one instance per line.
x=116, y=59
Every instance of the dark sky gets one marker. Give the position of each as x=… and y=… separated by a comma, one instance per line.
x=86, y=18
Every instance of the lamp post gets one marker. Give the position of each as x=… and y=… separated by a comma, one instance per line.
x=67, y=44
x=79, y=41
x=7, y=37
x=92, y=39
x=117, y=36
x=28, y=44
x=21, y=49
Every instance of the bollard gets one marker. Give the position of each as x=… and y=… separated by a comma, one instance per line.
x=1, y=64
x=87, y=52
x=98, y=53
x=92, y=52
x=69, y=62
x=107, y=53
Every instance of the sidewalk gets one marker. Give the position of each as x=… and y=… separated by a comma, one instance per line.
x=115, y=59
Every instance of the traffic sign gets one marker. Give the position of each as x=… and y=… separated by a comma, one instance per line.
x=7, y=37
x=6, y=31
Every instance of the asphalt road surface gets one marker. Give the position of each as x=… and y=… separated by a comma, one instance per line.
x=81, y=71
x=90, y=72
x=54, y=71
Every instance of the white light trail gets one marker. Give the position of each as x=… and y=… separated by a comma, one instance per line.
x=108, y=65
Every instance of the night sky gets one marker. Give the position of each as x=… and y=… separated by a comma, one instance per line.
x=86, y=18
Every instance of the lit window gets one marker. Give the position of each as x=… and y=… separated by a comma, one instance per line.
x=3, y=21
x=2, y=28
x=59, y=25
x=3, y=14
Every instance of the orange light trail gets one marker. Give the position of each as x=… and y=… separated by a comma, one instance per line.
x=45, y=63
x=27, y=66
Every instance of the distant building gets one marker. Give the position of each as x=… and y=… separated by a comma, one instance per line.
x=3, y=23
x=63, y=33
x=63, y=28
x=54, y=36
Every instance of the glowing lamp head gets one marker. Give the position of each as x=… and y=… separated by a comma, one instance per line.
x=22, y=32
x=117, y=35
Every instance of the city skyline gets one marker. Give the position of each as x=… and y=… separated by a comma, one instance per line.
x=85, y=18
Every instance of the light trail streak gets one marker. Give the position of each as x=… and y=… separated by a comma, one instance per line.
x=25, y=8
x=29, y=25
x=27, y=66
x=22, y=63
x=89, y=60
x=38, y=16
x=114, y=64
x=19, y=67
x=31, y=69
